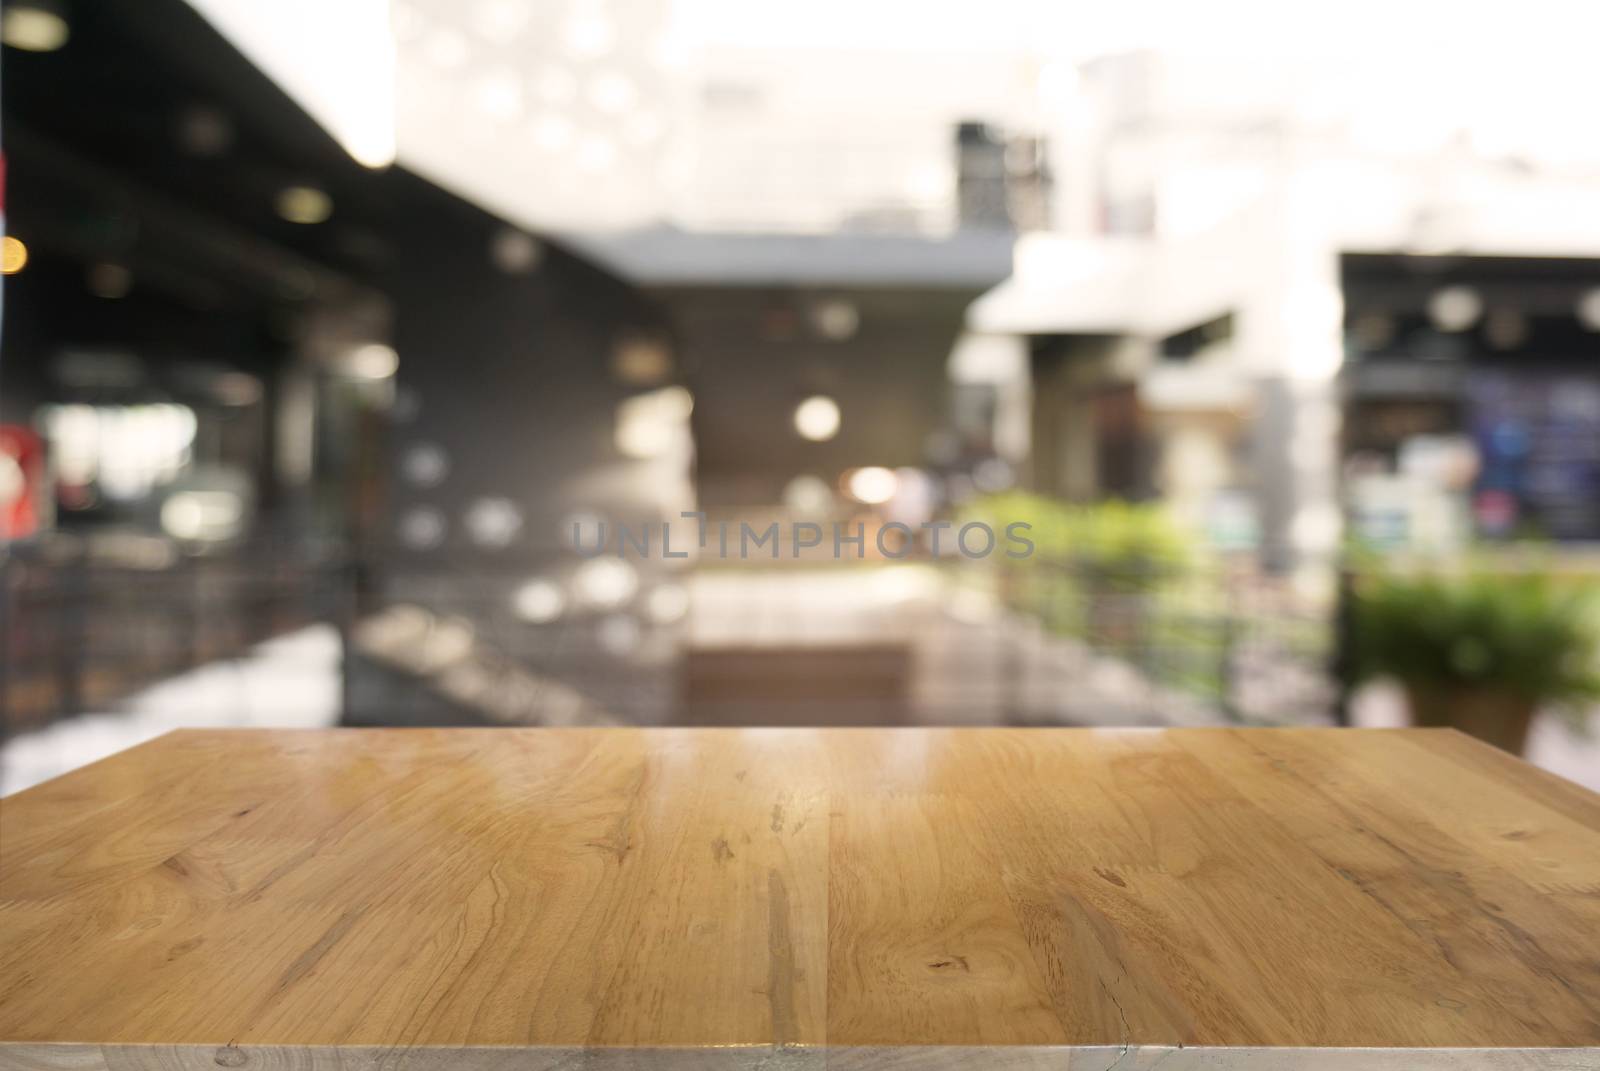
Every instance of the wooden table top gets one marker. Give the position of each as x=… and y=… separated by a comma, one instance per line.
x=795, y=897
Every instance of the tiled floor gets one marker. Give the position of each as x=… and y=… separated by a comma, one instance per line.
x=288, y=682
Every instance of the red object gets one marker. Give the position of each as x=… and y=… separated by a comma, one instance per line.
x=21, y=480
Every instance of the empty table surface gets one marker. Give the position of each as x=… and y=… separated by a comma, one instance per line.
x=868, y=898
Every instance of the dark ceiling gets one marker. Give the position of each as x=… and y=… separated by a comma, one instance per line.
x=150, y=144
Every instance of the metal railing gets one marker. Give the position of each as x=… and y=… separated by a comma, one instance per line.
x=1055, y=643
x=80, y=628
x=1241, y=642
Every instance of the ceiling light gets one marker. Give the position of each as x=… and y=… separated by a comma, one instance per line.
x=372, y=361
x=808, y=496
x=1455, y=308
x=13, y=255
x=641, y=361
x=605, y=582
x=872, y=485
x=423, y=528
x=425, y=464
x=836, y=320
x=538, y=602
x=667, y=603
x=817, y=418
x=204, y=131
x=304, y=204
x=34, y=26
x=651, y=425
x=203, y=516
x=515, y=252
x=1588, y=309
x=493, y=522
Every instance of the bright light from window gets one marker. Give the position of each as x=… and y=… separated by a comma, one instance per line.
x=335, y=59
x=127, y=450
x=817, y=418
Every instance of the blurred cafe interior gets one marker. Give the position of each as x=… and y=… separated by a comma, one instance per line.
x=337, y=337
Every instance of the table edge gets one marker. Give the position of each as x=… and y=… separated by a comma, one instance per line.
x=92, y=1056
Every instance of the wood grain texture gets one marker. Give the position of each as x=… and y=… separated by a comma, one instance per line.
x=621, y=898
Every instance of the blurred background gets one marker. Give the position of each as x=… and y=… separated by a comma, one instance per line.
x=327, y=323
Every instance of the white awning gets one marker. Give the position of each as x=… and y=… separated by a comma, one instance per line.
x=1066, y=285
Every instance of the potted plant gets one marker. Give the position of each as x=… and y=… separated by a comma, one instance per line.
x=1480, y=650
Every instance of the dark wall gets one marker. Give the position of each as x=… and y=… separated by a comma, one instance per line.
x=508, y=374
x=751, y=356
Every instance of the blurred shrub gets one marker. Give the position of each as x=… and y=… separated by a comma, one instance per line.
x=1128, y=545
x=1531, y=636
x=1107, y=573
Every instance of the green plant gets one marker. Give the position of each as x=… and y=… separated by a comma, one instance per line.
x=1127, y=542
x=1528, y=636
x=1130, y=545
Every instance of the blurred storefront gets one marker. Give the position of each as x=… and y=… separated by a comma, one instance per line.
x=290, y=357
x=1278, y=321
x=251, y=383
x=1473, y=399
